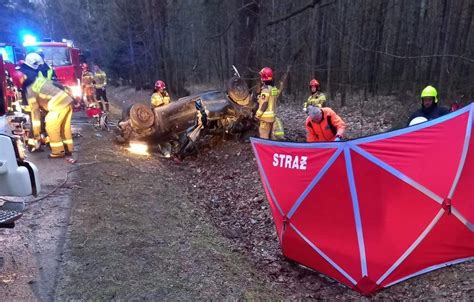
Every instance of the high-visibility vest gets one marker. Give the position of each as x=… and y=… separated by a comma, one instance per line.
x=268, y=96
x=158, y=99
x=87, y=79
x=317, y=99
x=100, y=79
x=38, y=83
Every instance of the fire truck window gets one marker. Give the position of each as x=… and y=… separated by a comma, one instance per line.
x=57, y=56
x=7, y=53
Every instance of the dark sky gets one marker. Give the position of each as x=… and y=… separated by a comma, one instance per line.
x=14, y=23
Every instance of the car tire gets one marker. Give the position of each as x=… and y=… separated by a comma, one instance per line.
x=141, y=117
x=237, y=90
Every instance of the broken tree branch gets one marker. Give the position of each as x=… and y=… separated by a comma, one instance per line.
x=296, y=12
x=294, y=57
x=416, y=57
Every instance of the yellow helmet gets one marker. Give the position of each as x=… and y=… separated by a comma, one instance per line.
x=430, y=91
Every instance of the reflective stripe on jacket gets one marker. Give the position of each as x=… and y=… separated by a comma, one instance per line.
x=267, y=104
x=326, y=130
x=87, y=79
x=100, y=79
x=159, y=99
x=38, y=83
x=317, y=99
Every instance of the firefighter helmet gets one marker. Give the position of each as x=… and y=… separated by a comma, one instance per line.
x=33, y=60
x=418, y=120
x=266, y=74
x=160, y=85
x=314, y=83
x=430, y=91
x=41, y=53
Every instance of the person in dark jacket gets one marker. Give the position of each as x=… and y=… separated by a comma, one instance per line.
x=45, y=69
x=430, y=108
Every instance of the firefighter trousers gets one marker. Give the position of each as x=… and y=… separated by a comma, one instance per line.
x=101, y=96
x=265, y=129
x=58, y=120
x=50, y=98
x=58, y=127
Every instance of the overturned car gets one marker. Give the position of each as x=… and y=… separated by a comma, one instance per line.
x=184, y=121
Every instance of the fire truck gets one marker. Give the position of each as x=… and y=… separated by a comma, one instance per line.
x=65, y=59
x=10, y=54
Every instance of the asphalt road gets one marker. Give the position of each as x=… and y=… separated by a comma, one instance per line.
x=30, y=253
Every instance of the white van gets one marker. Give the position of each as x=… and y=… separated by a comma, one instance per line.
x=18, y=177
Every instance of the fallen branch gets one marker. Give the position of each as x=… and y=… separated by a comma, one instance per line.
x=416, y=57
x=222, y=33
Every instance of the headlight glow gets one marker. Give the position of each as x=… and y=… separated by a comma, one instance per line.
x=138, y=148
x=76, y=91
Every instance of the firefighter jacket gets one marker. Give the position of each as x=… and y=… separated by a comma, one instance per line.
x=48, y=72
x=330, y=126
x=100, y=79
x=44, y=95
x=88, y=83
x=29, y=76
x=160, y=99
x=434, y=111
x=267, y=104
x=317, y=99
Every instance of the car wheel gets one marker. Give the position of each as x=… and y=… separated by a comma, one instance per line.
x=141, y=116
x=237, y=90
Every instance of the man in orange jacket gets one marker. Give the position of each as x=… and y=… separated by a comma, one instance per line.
x=323, y=124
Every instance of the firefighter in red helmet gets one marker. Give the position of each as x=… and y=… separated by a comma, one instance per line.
x=87, y=82
x=160, y=97
x=266, y=113
x=317, y=98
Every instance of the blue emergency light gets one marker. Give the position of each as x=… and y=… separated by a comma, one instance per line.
x=28, y=39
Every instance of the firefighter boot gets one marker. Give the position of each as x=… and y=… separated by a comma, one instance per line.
x=107, y=106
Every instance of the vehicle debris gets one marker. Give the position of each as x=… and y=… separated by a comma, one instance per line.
x=184, y=122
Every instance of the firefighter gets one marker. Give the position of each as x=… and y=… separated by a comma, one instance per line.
x=323, y=124
x=278, y=132
x=429, y=105
x=100, y=82
x=45, y=69
x=266, y=112
x=317, y=98
x=88, y=85
x=43, y=95
x=160, y=97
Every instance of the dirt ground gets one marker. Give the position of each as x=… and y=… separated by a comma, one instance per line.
x=134, y=233
x=145, y=227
